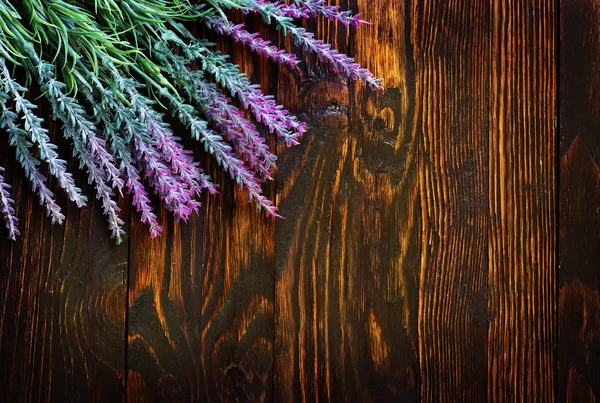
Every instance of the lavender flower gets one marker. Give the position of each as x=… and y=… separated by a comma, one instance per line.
x=18, y=139
x=105, y=114
x=283, y=16
x=242, y=134
x=182, y=161
x=222, y=152
x=264, y=107
x=140, y=200
x=252, y=40
x=88, y=148
x=6, y=207
x=176, y=191
x=39, y=136
x=308, y=8
x=130, y=63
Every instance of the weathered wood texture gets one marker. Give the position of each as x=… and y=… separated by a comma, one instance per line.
x=62, y=301
x=418, y=256
x=579, y=195
x=348, y=252
x=422, y=257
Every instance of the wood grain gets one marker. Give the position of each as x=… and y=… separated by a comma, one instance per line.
x=452, y=53
x=486, y=107
x=579, y=252
x=62, y=300
x=200, y=324
x=348, y=251
x=522, y=198
x=440, y=240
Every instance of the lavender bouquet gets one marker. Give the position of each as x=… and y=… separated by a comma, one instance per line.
x=115, y=72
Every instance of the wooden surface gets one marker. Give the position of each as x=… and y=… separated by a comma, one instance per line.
x=441, y=238
x=578, y=203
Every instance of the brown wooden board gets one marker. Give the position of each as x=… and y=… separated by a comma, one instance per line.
x=452, y=53
x=579, y=198
x=62, y=298
x=348, y=252
x=522, y=202
x=421, y=221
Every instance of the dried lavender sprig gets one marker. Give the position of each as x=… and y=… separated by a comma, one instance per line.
x=184, y=164
x=39, y=136
x=140, y=199
x=177, y=197
x=222, y=152
x=212, y=141
x=112, y=130
x=192, y=173
x=263, y=107
x=6, y=207
x=73, y=114
x=237, y=129
x=92, y=154
x=181, y=160
x=281, y=14
x=313, y=8
x=18, y=138
x=176, y=194
x=244, y=137
x=252, y=40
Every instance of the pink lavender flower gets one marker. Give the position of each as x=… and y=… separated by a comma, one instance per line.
x=263, y=107
x=18, y=139
x=308, y=8
x=217, y=107
x=39, y=136
x=182, y=161
x=222, y=152
x=340, y=62
x=177, y=197
x=246, y=140
x=252, y=40
x=125, y=142
x=140, y=199
x=7, y=209
x=87, y=147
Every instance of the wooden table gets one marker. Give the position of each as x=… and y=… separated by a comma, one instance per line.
x=441, y=239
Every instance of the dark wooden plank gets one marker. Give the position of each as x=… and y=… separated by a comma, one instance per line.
x=452, y=53
x=486, y=108
x=579, y=249
x=200, y=324
x=62, y=300
x=348, y=252
x=522, y=202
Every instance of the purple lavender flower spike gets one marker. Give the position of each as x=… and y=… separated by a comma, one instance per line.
x=7, y=209
x=18, y=138
x=263, y=107
x=340, y=62
x=217, y=107
x=39, y=136
x=182, y=161
x=252, y=40
x=141, y=201
x=246, y=140
x=178, y=198
x=308, y=8
x=283, y=16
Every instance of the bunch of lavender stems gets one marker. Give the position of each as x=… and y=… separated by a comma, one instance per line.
x=117, y=73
